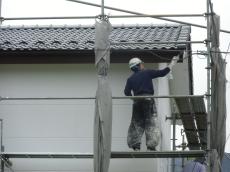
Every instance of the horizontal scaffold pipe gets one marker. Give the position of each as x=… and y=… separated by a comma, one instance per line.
x=47, y=18
x=157, y=15
x=161, y=42
x=137, y=13
x=46, y=98
x=153, y=154
x=93, y=17
x=160, y=96
x=88, y=98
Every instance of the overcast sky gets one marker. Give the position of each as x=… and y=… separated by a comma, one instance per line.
x=45, y=8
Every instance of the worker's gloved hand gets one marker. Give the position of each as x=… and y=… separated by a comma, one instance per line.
x=173, y=62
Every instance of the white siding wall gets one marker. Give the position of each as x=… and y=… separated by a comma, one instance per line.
x=164, y=110
x=66, y=126
x=179, y=84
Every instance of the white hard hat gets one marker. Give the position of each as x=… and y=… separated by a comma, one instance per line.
x=134, y=61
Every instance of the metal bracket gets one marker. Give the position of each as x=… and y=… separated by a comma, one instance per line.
x=209, y=14
x=103, y=17
x=207, y=95
x=171, y=117
x=183, y=145
x=6, y=162
x=206, y=41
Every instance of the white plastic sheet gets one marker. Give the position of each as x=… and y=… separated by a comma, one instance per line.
x=103, y=104
x=218, y=100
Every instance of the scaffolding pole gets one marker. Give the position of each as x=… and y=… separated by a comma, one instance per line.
x=1, y=144
x=152, y=154
x=160, y=16
x=92, y=98
x=0, y=12
x=48, y=18
x=174, y=140
x=102, y=8
x=183, y=148
x=5, y=156
x=208, y=91
x=93, y=17
x=136, y=13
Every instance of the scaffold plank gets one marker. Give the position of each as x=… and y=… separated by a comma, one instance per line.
x=194, y=119
x=201, y=119
x=188, y=121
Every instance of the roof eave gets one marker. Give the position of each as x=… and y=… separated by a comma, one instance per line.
x=84, y=56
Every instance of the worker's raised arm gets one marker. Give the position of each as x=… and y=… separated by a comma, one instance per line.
x=159, y=73
x=165, y=71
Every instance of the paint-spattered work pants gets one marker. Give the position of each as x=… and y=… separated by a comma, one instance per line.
x=144, y=119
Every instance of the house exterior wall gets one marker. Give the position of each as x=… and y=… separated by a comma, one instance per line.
x=164, y=110
x=67, y=125
x=180, y=81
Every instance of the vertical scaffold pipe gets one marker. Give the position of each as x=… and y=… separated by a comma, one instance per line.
x=208, y=91
x=102, y=8
x=0, y=12
x=174, y=140
x=2, y=148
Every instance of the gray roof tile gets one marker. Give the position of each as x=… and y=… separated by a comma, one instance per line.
x=82, y=38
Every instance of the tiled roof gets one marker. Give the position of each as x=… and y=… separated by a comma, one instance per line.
x=82, y=37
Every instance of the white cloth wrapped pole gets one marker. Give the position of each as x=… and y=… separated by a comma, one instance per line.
x=102, y=43
x=218, y=98
x=218, y=112
x=103, y=104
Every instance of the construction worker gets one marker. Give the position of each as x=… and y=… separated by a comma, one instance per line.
x=197, y=165
x=144, y=115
